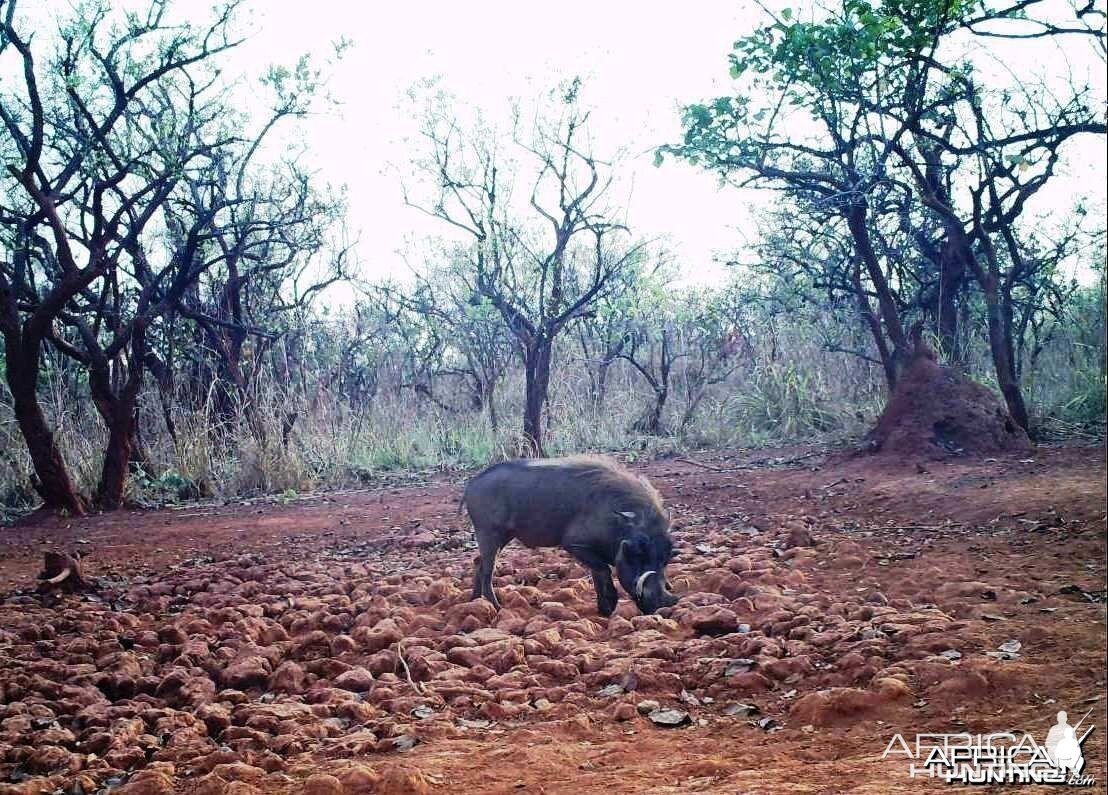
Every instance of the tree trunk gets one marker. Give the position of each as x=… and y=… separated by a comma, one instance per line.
x=652, y=422
x=602, y=384
x=490, y=406
x=952, y=270
x=536, y=386
x=118, y=409
x=886, y=301
x=52, y=480
x=116, y=462
x=690, y=410
x=999, y=314
x=140, y=458
x=888, y=362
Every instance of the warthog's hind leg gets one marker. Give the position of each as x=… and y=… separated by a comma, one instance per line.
x=488, y=544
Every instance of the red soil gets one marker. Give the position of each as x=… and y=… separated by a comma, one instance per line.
x=268, y=647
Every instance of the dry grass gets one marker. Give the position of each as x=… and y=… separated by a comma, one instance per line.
x=788, y=388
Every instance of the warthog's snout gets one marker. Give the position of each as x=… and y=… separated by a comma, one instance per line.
x=640, y=566
x=650, y=599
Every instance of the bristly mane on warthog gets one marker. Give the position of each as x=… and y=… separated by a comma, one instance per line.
x=591, y=507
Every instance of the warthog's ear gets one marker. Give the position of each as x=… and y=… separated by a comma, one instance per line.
x=627, y=519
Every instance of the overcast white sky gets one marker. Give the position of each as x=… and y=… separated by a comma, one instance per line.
x=640, y=62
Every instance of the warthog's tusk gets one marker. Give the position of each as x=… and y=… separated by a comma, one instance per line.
x=60, y=577
x=640, y=581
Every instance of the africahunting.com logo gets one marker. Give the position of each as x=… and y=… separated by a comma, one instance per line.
x=1001, y=758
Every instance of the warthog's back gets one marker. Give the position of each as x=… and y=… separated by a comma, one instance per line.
x=537, y=498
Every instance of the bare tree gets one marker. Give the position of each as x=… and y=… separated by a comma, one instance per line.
x=465, y=333
x=273, y=229
x=135, y=182
x=716, y=346
x=86, y=181
x=543, y=265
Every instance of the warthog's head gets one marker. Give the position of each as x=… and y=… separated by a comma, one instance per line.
x=640, y=565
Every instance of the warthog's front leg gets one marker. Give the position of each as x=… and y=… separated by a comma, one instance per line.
x=606, y=595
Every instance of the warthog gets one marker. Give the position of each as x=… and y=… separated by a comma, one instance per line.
x=591, y=507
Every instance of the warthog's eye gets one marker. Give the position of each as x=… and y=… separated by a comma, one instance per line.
x=636, y=547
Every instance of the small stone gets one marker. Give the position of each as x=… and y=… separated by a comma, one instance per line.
x=479, y=723
x=404, y=782
x=799, y=536
x=629, y=682
x=148, y=784
x=740, y=665
x=951, y=654
x=360, y=780
x=647, y=706
x=251, y=671
x=405, y=742
x=740, y=710
x=669, y=718
x=688, y=698
x=711, y=620
x=289, y=677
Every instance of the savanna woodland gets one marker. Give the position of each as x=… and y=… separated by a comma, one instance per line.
x=876, y=417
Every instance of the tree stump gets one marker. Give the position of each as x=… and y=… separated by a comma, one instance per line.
x=61, y=571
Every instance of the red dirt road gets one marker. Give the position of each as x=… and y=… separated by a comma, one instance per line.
x=251, y=647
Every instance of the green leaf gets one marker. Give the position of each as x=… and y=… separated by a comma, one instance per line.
x=658, y=157
x=786, y=14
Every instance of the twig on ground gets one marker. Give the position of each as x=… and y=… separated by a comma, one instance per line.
x=407, y=673
x=759, y=464
x=696, y=463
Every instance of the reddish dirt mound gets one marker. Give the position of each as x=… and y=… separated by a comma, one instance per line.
x=938, y=411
